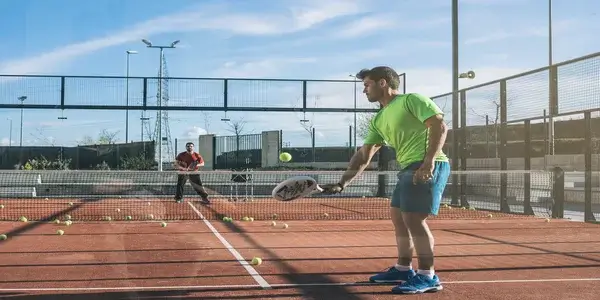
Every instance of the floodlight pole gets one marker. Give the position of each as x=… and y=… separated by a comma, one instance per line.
x=22, y=99
x=552, y=102
x=129, y=52
x=159, y=98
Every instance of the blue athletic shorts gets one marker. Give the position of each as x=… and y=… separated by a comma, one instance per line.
x=420, y=197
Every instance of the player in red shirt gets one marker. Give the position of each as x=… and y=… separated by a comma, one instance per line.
x=190, y=162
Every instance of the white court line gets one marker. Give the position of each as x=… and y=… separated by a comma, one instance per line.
x=284, y=285
x=259, y=279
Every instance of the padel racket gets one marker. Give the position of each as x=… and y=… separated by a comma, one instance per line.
x=295, y=188
x=192, y=166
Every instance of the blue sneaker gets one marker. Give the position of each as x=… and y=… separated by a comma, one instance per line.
x=419, y=284
x=392, y=275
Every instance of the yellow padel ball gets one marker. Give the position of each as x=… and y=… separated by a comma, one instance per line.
x=285, y=157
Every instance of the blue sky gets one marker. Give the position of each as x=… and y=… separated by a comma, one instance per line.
x=298, y=39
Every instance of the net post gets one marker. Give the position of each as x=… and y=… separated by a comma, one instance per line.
x=558, y=192
x=504, y=207
x=463, y=149
x=588, y=213
x=527, y=209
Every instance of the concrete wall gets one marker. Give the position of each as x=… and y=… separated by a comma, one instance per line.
x=205, y=148
x=270, y=148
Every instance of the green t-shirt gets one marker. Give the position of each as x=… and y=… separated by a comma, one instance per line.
x=401, y=125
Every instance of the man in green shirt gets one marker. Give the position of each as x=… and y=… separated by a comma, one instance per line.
x=413, y=125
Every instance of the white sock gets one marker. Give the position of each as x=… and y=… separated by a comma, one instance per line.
x=428, y=273
x=403, y=268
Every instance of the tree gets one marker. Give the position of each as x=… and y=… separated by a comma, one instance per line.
x=237, y=127
x=495, y=124
x=206, y=119
x=104, y=138
x=363, y=120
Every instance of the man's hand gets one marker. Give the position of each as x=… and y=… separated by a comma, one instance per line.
x=330, y=189
x=424, y=173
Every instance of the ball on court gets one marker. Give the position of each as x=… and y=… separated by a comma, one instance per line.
x=128, y=218
x=108, y=219
x=60, y=232
x=273, y=223
x=67, y=217
x=150, y=216
x=245, y=219
x=57, y=221
x=251, y=219
x=3, y=237
x=325, y=215
x=23, y=219
x=70, y=203
x=163, y=224
x=118, y=209
x=547, y=220
x=68, y=223
x=471, y=208
x=256, y=261
x=285, y=157
x=285, y=226
x=1, y=206
x=490, y=215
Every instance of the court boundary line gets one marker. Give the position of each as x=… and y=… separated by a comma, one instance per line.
x=251, y=271
x=226, y=287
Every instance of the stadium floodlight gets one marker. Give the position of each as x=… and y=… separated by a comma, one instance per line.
x=145, y=41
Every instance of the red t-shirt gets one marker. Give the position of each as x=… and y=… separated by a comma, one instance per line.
x=185, y=159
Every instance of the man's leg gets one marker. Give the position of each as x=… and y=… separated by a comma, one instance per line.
x=424, y=200
x=197, y=185
x=181, y=179
x=403, y=270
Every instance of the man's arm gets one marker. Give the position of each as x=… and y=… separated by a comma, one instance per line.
x=358, y=163
x=438, y=131
x=179, y=163
x=200, y=161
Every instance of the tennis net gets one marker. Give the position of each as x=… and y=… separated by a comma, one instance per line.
x=149, y=195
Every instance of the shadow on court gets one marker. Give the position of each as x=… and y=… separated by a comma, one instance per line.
x=291, y=274
x=31, y=225
x=207, y=294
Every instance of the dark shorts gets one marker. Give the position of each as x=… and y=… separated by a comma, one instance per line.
x=420, y=197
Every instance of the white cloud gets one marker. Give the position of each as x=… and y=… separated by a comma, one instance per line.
x=7, y=142
x=194, y=131
x=268, y=67
x=366, y=25
x=559, y=28
x=300, y=17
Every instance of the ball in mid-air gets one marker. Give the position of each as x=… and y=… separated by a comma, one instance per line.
x=285, y=157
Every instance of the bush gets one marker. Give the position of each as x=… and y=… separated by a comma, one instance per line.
x=138, y=162
x=102, y=166
x=42, y=163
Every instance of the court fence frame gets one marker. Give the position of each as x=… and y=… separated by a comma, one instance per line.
x=560, y=96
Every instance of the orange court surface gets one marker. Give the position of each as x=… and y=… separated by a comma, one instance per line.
x=478, y=256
